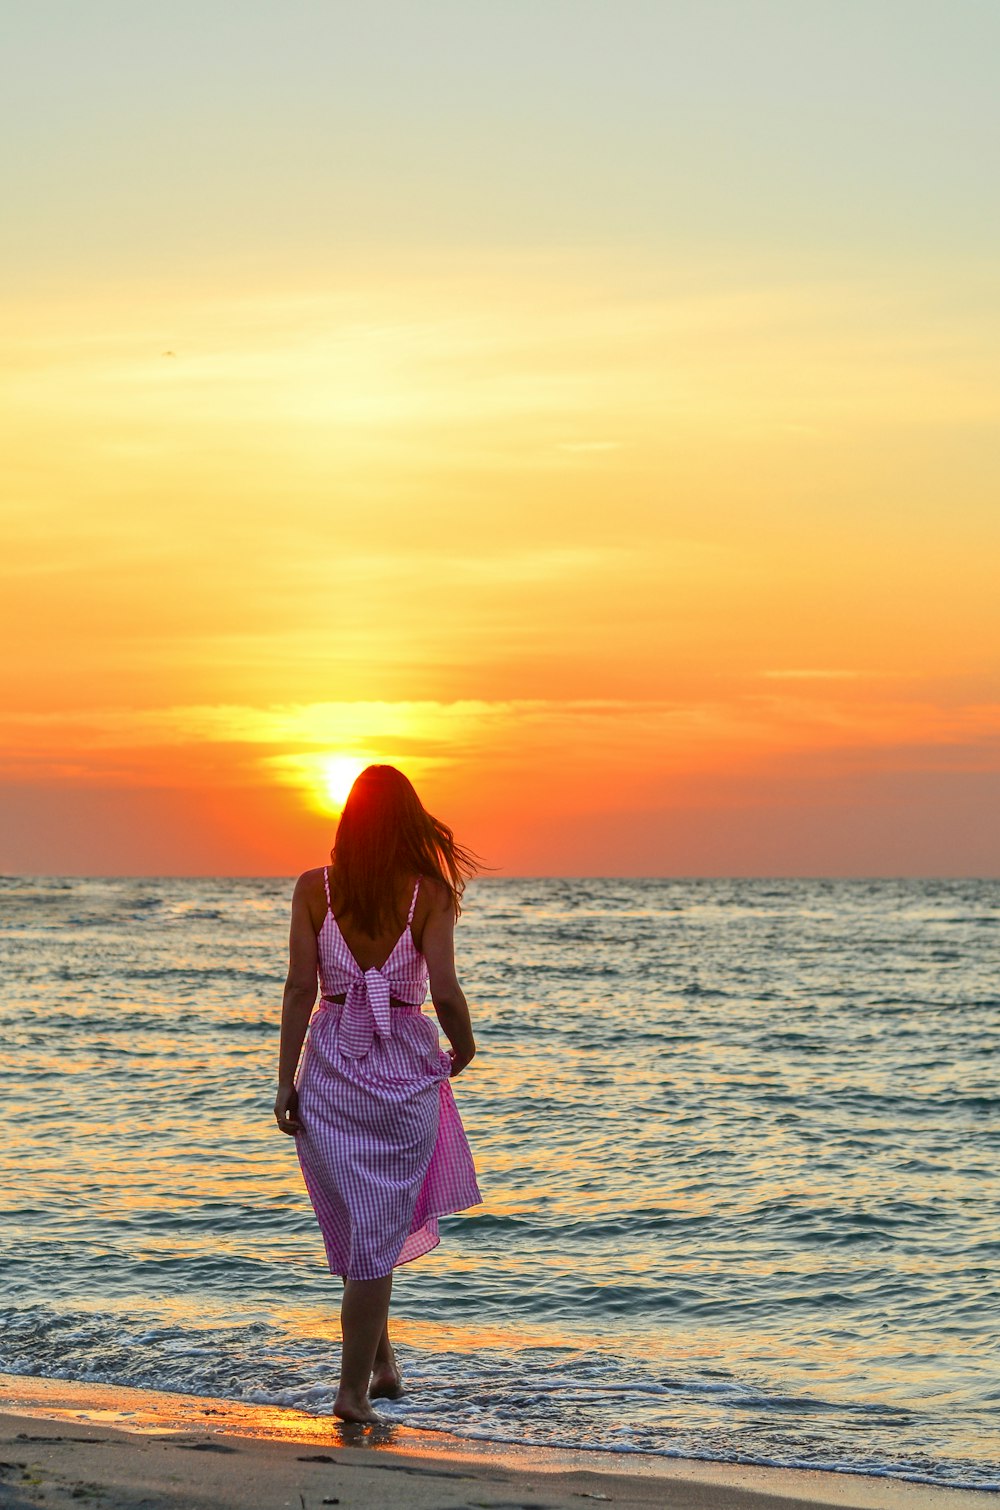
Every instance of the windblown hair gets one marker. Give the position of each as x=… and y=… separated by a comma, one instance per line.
x=385, y=834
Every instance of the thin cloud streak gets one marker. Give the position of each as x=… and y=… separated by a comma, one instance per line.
x=602, y=735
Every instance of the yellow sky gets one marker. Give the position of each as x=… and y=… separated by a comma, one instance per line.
x=640, y=554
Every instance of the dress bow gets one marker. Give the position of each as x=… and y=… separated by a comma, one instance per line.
x=366, y=1013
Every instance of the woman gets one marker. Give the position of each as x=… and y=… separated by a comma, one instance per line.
x=381, y=1145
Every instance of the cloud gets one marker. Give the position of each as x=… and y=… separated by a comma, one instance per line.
x=813, y=674
x=609, y=740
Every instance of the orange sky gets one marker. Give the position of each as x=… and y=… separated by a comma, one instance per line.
x=642, y=553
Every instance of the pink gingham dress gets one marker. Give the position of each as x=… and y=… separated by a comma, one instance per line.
x=383, y=1150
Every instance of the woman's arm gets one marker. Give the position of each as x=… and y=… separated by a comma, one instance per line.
x=437, y=945
x=296, y=1006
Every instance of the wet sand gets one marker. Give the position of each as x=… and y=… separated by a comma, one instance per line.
x=65, y=1445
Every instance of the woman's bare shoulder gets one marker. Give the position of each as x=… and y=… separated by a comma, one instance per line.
x=436, y=894
x=310, y=890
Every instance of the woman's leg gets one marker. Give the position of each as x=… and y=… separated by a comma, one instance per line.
x=363, y=1319
x=387, y=1382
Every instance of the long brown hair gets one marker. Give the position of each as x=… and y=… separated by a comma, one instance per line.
x=385, y=834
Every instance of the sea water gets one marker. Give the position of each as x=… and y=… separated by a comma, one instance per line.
x=737, y=1142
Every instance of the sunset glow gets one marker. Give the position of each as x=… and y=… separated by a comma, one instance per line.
x=621, y=465
x=339, y=775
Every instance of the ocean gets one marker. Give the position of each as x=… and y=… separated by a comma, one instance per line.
x=737, y=1142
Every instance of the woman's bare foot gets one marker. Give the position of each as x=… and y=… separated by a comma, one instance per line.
x=387, y=1382
x=348, y=1407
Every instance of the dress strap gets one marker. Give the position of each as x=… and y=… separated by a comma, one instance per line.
x=413, y=904
x=326, y=883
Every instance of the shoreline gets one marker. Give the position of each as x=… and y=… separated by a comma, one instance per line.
x=122, y=1447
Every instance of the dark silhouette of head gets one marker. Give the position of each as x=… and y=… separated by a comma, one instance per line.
x=386, y=836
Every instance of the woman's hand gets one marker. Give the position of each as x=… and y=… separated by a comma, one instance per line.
x=286, y=1110
x=459, y=1061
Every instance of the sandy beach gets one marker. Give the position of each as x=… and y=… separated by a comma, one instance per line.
x=63, y=1444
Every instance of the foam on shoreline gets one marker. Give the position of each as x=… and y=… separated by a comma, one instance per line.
x=61, y=1428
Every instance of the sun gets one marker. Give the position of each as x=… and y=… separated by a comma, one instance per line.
x=338, y=774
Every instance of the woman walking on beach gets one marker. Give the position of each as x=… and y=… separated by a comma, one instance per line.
x=381, y=1145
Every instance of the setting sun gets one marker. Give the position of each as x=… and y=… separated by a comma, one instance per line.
x=339, y=773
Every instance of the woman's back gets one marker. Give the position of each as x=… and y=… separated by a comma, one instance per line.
x=371, y=993
x=372, y=950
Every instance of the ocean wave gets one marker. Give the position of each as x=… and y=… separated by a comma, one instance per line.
x=559, y=1398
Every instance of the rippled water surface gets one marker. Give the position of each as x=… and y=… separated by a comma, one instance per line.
x=737, y=1141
